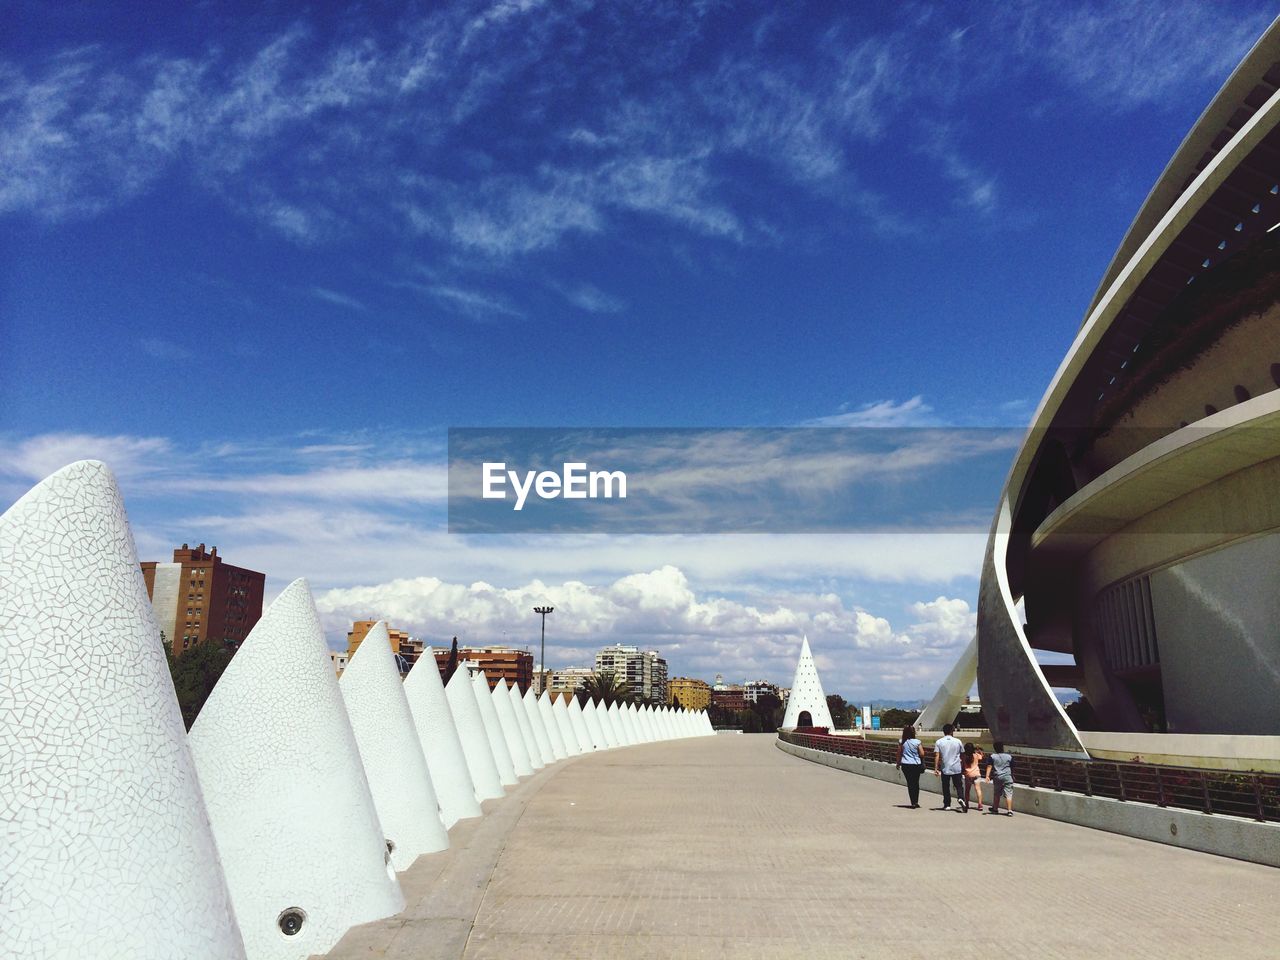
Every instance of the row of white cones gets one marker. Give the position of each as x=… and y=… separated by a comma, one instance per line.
x=281, y=820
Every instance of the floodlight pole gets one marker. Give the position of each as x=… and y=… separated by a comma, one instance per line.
x=542, y=660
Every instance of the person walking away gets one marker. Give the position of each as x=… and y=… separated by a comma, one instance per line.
x=946, y=764
x=1001, y=764
x=911, y=763
x=971, y=767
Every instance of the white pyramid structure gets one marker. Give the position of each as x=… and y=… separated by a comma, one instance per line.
x=645, y=718
x=560, y=711
x=591, y=716
x=578, y=726
x=607, y=726
x=558, y=745
x=441, y=745
x=628, y=714
x=493, y=729
x=667, y=723
x=106, y=849
x=617, y=715
x=394, y=764
x=526, y=727
x=287, y=797
x=511, y=732
x=465, y=708
x=707, y=729
x=539, y=727
x=806, y=694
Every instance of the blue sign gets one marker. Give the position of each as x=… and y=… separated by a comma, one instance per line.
x=875, y=723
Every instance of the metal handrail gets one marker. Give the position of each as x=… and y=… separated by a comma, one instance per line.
x=1224, y=792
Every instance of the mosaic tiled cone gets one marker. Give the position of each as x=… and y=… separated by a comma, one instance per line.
x=394, y=764
x=559, y=746
x=493, y=730
x=106, y=849
x=539, y=727
x=473, y=736
x=510, y=726
x=441, y=744
x=592, y=717
x=578, y=726
x=291, y=810
x=526, y=728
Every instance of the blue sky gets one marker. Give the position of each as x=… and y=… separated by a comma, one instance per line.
x=260, y=257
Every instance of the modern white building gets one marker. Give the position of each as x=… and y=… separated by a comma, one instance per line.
x=643, y=671
x=1139, y=528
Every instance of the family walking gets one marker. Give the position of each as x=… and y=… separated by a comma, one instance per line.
x=959, y=765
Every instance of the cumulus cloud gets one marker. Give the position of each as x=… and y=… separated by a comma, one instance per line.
x=698, y=631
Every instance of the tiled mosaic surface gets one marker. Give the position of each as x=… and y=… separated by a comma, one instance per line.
x=511, y=734
x=493, y=730
x=559, y=746
x=394, y=764
x=474, y=737
x=575, y=731
x=526, y=728
x=286, y=793
x=106, y=850
x=806, y=692
x=539, y=727
x=438, y=735
x=592, y=717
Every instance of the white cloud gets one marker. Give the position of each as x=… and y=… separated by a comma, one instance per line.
x=34, y=458
x=914, y=412
x=340, y=299
x=590, y=298
x=700, y=632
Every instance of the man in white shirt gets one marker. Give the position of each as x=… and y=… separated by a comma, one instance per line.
x=946, y=764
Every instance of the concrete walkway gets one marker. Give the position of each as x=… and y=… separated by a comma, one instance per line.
x=727, y=847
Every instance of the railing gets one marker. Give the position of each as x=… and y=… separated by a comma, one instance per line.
x=1252, y=795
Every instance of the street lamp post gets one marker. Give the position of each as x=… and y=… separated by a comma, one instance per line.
x=542, y=660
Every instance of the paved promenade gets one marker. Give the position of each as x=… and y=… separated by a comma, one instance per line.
x=727, y=847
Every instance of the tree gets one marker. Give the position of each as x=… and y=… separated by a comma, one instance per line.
x=605, y=687
x=839, y=712
x=895, y=719
x=195, y=672
x=452, y=665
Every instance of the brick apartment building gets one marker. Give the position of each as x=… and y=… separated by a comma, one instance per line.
x=506, y=663
x=199, y=597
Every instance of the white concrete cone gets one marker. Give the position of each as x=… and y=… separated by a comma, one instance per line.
x=560, y=711
x=106, y=845
x=475, y=739
x=578, y=724
x=526, y=728
x=394, y=763
x=441, y=744
x=493, y=730
x=592, y=718
x=614, y=719
x=295, y=823
x=511, y=729
x=554, y=739
x=539, y=727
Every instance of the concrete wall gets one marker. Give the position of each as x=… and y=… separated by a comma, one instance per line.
x=1225, y=836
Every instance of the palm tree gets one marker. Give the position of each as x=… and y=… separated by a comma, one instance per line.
x=606, y=687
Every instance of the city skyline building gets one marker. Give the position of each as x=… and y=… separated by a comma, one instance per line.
x=643, y=672
x=691, y=693
x=496, y=662
x=198, y=597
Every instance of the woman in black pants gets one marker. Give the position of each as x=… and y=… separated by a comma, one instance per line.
x=911, y=763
